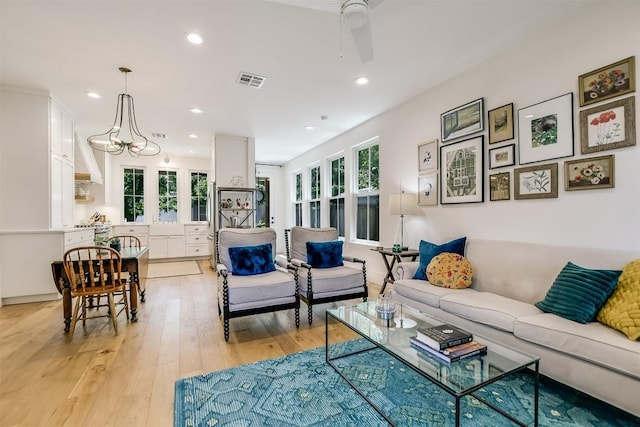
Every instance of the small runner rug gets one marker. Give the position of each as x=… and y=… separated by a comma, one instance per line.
x=171, y=269
x=301, y=389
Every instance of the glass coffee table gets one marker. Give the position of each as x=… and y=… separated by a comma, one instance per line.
x=372, y=334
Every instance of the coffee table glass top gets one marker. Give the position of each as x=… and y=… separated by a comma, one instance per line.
x=458, y=377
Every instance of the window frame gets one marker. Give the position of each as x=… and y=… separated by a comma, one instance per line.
x=169, y=172
x=337, y=197
x=202, y=209
x=315, y=194
x=370, y=192
x=297, y=198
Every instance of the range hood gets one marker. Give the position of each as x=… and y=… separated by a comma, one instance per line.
x=85, y=162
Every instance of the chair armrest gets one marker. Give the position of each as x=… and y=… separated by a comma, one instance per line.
x=222, y=269
x=282, y=262
x=353, y=259
x=299, y=263
x=406, y=270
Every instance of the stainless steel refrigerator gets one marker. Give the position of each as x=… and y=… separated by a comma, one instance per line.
x=211, y=221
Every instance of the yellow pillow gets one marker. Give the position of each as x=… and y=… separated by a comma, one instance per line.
x=622, y=309
x=449, y=270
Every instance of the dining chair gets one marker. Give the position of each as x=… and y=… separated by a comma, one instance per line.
x=317, y=253
x=126, y=241
x=94, y=271
x=249, y=281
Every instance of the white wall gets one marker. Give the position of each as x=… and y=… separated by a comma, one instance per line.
x=538, y=70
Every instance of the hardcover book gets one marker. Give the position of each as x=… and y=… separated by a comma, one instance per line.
x=443, y=336
x=451, y=354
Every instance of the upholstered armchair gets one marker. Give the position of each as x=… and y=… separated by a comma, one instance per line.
x=324, y=275
x=249, y=281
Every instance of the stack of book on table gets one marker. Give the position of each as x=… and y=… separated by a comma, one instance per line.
x=447, y=343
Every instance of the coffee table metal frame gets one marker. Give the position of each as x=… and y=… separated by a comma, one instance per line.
x=395, y=341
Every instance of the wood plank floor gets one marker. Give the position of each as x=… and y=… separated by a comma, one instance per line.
x=100, y=379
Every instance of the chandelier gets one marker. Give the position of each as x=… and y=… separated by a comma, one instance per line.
x=117, y=139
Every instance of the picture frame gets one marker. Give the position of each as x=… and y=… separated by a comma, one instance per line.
x=536, y=182
x=462, y=121
x=608, y=126
x=500, y=124
x=462, y=174
x=545, y=130
x=502, y=156
x=500, y=186
x=589, y=173
x=428, y=157
x=428, y=190
x=607, y=82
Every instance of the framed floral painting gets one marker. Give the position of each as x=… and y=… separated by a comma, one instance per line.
x=536, y=182
x=608, y=126
x=607, y=82
x=589, y=174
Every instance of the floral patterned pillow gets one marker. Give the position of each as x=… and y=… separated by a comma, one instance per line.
x=449, y=270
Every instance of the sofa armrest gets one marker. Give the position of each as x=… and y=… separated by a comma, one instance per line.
x=405, y=270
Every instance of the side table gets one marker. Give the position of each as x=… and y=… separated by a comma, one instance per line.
x=388, y=253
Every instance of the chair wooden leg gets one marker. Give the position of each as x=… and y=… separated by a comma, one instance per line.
x=297, y=310
x=112, y=307
x=226, y=329
x=74, y=317
x=84, y=312
x=310, y=312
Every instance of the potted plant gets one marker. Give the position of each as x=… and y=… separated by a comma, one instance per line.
x=115, y=244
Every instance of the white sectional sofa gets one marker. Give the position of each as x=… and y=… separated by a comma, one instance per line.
x=509, y=277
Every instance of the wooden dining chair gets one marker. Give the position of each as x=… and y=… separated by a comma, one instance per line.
x=94, y=271
x=126, y=241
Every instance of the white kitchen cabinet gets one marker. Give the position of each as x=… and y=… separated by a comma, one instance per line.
x=196, y=240
x=141, y=231
x=61, y=132
x=166, y=247
x=62, y=187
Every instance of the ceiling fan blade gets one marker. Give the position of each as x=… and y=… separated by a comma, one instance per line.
x=374, y=3
x=362, y=38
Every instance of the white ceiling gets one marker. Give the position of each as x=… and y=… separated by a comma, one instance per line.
x=75, y=46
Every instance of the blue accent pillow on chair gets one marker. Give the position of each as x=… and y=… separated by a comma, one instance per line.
x=429, y=250
x=578, y=293
x=325, y=254
x=251, y=260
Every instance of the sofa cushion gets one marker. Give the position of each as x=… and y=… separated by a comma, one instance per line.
x=325, y=254
x=578, y=293
x=592, y=341
x=450, y=270
x=331, y=279
x=622, y=309
x=250, y=260
x=425, y=293
x=487, y=308
x=260, y=288
x=428, y=250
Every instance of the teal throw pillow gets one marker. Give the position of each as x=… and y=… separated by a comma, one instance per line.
x=578, y=293
x=429, y=250
x=251, y=260
x=325, y=254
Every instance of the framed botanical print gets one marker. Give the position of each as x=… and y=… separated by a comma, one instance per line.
x=500, y=124
x=462, y=121
x=502, y=156
x=428, y=190
x=500, y=186
x=545, y=130
x=590, y=173
x=428, y=157
x=461, y=177
x=536, y=182
x=608, y=126
x=607, y=82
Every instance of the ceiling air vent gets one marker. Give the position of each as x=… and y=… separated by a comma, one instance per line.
x=159, y=135
x=251, y=80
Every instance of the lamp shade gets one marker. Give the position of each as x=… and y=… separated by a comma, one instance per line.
x=404, y=204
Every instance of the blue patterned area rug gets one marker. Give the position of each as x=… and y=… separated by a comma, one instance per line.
x=301, y=389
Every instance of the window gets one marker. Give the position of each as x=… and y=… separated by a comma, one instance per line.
x=167, y=196
x=198, y=196
x=298, y=204
x=367, y=197
x=133, y=195
x=336, y=199
x=314, y=196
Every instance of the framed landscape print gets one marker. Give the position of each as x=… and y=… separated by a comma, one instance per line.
x=428, y=157
x=536, y=182
x=589, y=174
x=608, y=126
x=501, y=124
x=502, y=156
x=461, y=178
x=545, y=130
x=428, y=190
x=607, y=82
x=500, y=186
x=462, y=121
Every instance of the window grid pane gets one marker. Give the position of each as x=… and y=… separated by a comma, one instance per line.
x=167, y=196
x=198, y=196
x=367, y=199
x=133, y=195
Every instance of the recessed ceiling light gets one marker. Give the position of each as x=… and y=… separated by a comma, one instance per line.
x=196, y=110
x=193, y=135
x=361, y=81
x=93, y=95
x=194, y=38
x=309, y=127
x=191, y=151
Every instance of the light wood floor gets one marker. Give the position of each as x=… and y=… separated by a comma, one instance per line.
x=101, y=379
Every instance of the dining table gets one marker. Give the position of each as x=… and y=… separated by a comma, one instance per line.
x=135, y=261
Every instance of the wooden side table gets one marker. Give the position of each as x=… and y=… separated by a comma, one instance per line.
x=388, y=254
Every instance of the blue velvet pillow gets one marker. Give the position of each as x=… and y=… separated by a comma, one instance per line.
x=429, y=250
x=324, y=254
x=250, y=260
x=578, y=293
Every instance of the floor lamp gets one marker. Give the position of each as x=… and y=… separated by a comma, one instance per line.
x=403, y=204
